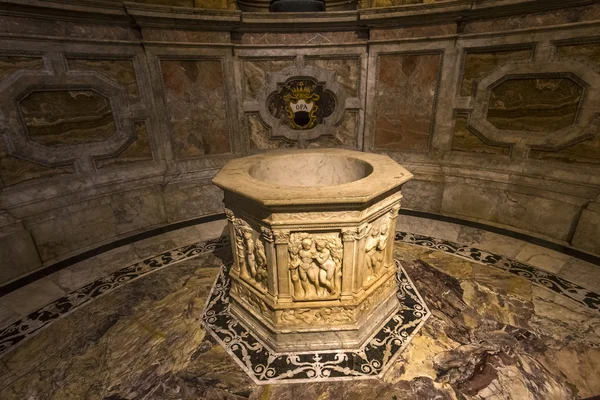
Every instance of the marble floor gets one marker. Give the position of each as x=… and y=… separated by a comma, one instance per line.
x=510, y=320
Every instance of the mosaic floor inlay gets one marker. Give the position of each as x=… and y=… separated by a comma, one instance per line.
x=267, y=367
x=26, y=327
x=534, y=275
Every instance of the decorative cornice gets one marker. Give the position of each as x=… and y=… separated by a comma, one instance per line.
x=147, y=15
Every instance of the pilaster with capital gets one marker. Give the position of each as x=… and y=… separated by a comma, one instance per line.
x=349, y=238
x=231, y=227
x=269, y=239
x=282, y=239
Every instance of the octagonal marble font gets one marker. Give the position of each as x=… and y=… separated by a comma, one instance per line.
x=310, y=231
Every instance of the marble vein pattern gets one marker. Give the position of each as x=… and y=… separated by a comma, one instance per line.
x=28, y=326
x=491, y=334
x=536, y=276
x=33, y=322
x=267, y=367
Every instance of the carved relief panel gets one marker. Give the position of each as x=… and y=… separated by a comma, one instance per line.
x=315, y=264
x=251, y=256
x=376, y=242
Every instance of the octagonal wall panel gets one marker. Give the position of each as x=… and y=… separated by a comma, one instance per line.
x=66, y=117
x=534, y=104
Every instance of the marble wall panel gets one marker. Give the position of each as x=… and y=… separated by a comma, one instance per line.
x=73, y=228
x=588, y=229
x=215, y=4
x=196, y=101
x=138, y=209
x=586, y=52
x=343, y=135
x=413, y=32
x=405, y=100
x=138, y=151
x=392, y=3
x=480, y=63
x=119, y=71
x=15, y=170
x=255, y=74
x=259, y=135
x=55, y=27
x=66, y=117
x=534, y=20
x=422, y=195
x=10, y=64
x=191, y=200
x=347, y=72
x=531, y=212
x=299, y=37
x=535, y=105
x=176, y=3
x=585, y=151
x=467, y=141
x=181, y=35
x=18, y=254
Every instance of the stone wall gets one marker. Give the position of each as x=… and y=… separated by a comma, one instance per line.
x=115, y=117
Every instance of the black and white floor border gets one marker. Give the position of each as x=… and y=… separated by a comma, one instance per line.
x=534, y=275
x=267, y=367
x=19, y=331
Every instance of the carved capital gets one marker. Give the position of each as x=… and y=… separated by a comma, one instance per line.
x=267, y=234
x=282, y=237
x=363, y=230
x=394, y=211
x=349, y=234
x=229, y=214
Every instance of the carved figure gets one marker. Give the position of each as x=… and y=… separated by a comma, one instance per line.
x=252, y=260
x=261, y=262
x=315, y=265
x=250, y=257
x=375, y=244
x=294, y=271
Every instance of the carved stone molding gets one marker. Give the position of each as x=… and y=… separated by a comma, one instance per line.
x=583, y=120
x=349, y=234
x=20, y=143
x=267, y=234
x=281, y=237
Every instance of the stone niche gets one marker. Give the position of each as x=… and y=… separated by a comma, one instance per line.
x=312, y=234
